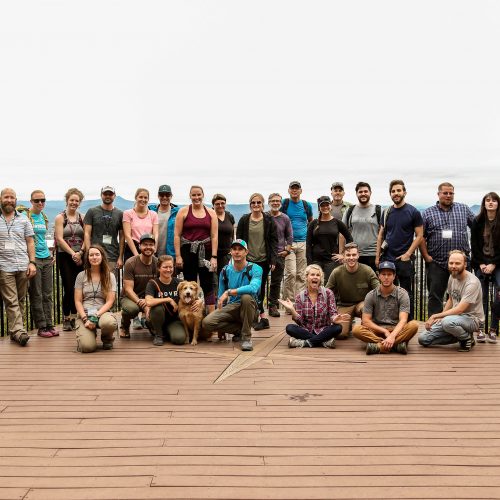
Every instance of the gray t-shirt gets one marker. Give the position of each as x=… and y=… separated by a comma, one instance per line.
x=93, y=298
x=256, y=242
x=468, y=290
x=385, y=310
x=162, y=231
x=105, y=227
x=364, y=228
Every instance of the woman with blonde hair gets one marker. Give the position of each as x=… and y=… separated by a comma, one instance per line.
x=317, y=321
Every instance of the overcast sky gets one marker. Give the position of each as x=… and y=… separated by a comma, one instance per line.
x=246, y=96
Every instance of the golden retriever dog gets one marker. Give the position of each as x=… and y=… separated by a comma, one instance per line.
x=189, y=292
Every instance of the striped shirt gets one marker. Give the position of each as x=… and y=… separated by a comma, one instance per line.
x=13, y=247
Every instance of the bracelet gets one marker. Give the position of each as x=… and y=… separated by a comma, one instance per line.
x=84, y=319
x=33, y=262
x=214, y=256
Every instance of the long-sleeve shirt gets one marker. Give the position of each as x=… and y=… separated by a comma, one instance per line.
x=315, y=317
x=246, y=281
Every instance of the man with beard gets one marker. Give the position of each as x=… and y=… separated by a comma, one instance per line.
x=103, y=226
x=17, y=263
x=136, y=275
x=399, y=236
x=363, y=222
x=463, y=312
x=445, y=229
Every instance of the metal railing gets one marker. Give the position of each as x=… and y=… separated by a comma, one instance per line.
x=419, y=296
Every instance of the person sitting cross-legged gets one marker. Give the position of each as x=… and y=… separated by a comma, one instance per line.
x=315, y=313
x=384, y=323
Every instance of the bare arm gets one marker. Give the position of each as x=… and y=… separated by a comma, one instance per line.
x=380, y=240
x=367, y=321
x=87, y=234
x=127, y=232
x=179, y=225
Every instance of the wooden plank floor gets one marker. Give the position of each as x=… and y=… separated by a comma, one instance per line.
x=210, y=422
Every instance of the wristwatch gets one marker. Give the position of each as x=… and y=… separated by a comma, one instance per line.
x=33, y=262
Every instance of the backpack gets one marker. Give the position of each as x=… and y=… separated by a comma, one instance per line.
x=25, y=210
x=65, y=218
x=246, y=273
x=378, y=212
x=307, y=207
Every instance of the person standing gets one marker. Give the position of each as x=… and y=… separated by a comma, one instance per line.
x=445, y=229
x=17, y=263
x=40, y=286
x=103, y=226
x=300, y=214
x=463, y=312
x=338, y=205
x=284, y=235
x=69, y=236
x=485, y=242
x=225, y=234
x=167, y=212
x=363, y=222
x=322, y=243
x=399, y=236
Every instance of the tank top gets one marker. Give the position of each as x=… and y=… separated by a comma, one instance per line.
x=73, y=234
x=195, y=229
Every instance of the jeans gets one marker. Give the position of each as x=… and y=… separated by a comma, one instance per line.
x=40, y=290
x=369, y=260
x=316, y=340
x=437, y=282
x=485, y=280
x=449, y=330
x=405, y=272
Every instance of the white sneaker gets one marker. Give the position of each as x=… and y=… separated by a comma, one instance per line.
x=481, y=337
x=293, y=342
x=492, y=336
x=329, y=344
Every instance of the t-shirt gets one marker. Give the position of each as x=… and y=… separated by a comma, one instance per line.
x=138, y=272
x=166, y=291
x=162, y=231
x=323, y=239
x=226, y=234
x=106, y=225
x=93, y=297
x=351, y=288
x=364, y=226
x=41, y=249
x=401, y=224
x=140, y=225
x=256, y=242
x=468, y=290
x=385, y=310
x=298, y=217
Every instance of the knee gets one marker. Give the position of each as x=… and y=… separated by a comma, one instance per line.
x=356, y=331
x=246, y=299
x=289, y=329
x=108, y=324
x=412, y=327
x=447, y=323
x=129, y=308
x=424, y=339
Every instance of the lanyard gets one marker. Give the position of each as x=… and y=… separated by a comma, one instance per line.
x=8, y=226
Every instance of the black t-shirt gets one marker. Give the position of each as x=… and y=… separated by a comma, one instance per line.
x=155, y=288
x=226, y=233
x=323, y=239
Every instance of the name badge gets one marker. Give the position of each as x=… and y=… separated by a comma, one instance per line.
x=106, y=239
x=447, y=234
x=9, y=245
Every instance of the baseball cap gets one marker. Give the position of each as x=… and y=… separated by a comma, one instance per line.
x=387, y=265
x=108, y=188
x=323, y=199
x=294, y=183
x=147, y=236
x=241, y=243
x=164, y=188
x=337, y=184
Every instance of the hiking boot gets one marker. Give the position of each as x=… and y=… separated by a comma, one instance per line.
x=43, y=332
x=67, y=325
x=401, y=348
x=137, y=324
x=492, y=336
x=237, y=337
x=273, y=312
x=22, y=340
x=293, y=342
x=263, y=324
x=53, y=331
x=329, y=344
x=246, y=345
x=124, y=333
x=107, y=346
x=72, y=322
x=372, y=348
x=158, y=340
x=467, y=345
x=481, y=336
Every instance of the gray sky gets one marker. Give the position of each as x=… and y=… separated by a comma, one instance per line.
x=246, y=96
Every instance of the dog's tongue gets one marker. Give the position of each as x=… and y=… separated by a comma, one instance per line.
x=187, y=299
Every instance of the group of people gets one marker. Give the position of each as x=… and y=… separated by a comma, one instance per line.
x=352, y=260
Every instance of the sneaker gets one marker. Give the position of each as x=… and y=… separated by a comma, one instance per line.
x=481, y=336
x=22, y=340
x=158, y=340
x=273, y=312
x=402, y=348
x=53, y=331
x=329, y=344
x=67, y=325
x=246, y=345
x=137, y=324
x=492, y=336
x=73, y=323
x=144, y=323
x=372, y=348
x=107, y=346
x=467, y=345
x=263, y=324
x=293, y=342
x=43, y=332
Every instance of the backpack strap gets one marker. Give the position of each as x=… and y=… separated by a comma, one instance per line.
x=349, y=217
x=378, y=213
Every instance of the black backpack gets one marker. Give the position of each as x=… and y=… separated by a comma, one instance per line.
x=378, y=212
x=307, y=207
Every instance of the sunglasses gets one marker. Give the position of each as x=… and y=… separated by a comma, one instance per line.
x=39, y=200
x=255, y=203
x=164, y=195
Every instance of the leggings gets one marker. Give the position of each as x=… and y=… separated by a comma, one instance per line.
x=191, y=272
x=68, y=270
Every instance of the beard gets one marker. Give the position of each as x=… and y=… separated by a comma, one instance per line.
x=8, y=207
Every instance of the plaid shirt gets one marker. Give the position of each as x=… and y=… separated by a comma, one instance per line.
x=436, y=220
x=315, y=317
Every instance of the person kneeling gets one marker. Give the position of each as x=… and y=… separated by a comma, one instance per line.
x=95, y=291
x=384, y=323
x=315, y=314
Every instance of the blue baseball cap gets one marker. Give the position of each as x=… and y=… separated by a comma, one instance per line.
x=241, y=243
x=387, y=265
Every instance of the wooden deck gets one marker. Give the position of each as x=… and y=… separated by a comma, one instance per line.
x=144, y=422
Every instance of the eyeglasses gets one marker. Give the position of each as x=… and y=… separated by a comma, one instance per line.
x=219, y=204
x=39, y=200
x=164, y=195
x=255, y=203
